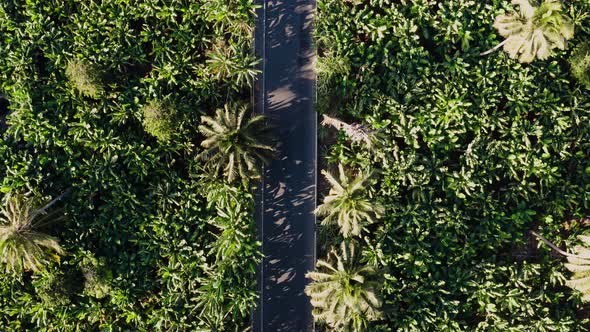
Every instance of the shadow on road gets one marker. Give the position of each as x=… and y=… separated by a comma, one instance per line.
x=285, y=93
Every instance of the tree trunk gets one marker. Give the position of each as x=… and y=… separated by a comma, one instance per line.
x=494, y=49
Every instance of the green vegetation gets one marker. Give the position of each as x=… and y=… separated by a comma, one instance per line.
x=474, y=152
x=343, y=295
x=138, y=111
x=235, y=144
x=84, y=78
x=22, y=246
x=580, y=63
x=159, y=119
x=105, y=101
x=347, y=204
x=578, y=264
x=534, y=32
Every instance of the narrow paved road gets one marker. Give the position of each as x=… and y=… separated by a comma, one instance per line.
x=286, y=223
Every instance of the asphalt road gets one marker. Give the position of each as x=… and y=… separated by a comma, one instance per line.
x=285, y=92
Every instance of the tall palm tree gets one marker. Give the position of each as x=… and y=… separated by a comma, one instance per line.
x=22, y=247
x=235, y=144
x=347, y=204
x=578, y=263
x=533, y=32
x=343, y=292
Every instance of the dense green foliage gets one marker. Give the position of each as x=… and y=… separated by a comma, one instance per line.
x=476, y=152
x=145, y=246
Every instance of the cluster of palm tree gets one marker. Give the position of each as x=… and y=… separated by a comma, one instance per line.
x=343, y=289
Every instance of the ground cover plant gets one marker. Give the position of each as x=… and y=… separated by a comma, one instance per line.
x=475, y=151
x=101, y=104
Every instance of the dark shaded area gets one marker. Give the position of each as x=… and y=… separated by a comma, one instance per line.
x=285, y=93
x=4, y=105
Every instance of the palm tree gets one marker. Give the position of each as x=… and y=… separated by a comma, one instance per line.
x=234, y=143
x=533, y=32
x=347, y=204
x=23, y=247
x=343, y=292
x=578, y=263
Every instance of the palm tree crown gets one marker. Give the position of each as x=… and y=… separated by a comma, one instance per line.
x=343, y=292
x=347, y=204
x=21, y=246
x=235, y=144
x=578, y=263
x=533, y=32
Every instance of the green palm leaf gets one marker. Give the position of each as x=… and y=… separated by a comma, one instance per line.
x=342, y=291
x=533, y=32
x=234, y=144
x=22, y=247
x=347, y=204
x=578, y=263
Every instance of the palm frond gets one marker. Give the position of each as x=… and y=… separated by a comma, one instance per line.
x=235, y=143
x=21, y=245
x=534, y=32
x=343, y=292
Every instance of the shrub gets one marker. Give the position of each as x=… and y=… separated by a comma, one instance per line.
x=85, y=78
x=580, y=63
x=159, y=120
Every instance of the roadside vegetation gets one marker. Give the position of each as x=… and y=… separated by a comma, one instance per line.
x=474, y=119
x=107, y=108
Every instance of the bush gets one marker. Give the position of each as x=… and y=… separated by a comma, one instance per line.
x=85, y=78
x=159, y=119
x=580, y=63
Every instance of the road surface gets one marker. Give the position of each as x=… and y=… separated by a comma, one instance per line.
x=285, y=93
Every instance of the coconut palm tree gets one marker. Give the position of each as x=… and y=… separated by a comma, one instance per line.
x=235, y=144
x=343, y=292
x=347, y=204
x=578, y=263
x=533, y=32
x=22, y=247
